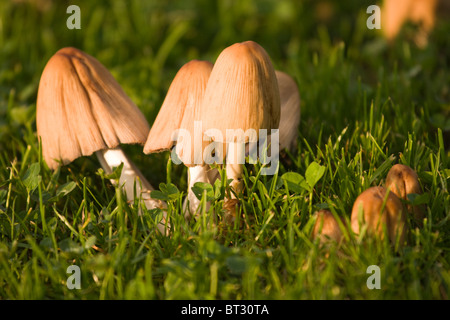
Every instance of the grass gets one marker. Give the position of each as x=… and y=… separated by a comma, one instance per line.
x=366, y=105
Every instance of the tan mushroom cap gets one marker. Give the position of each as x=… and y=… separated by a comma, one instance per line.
x=82, y=109
x=290, y=110
x=326, y=226
x=403, y=180
x=181, y=107
x=379, y=210
x=242, y=92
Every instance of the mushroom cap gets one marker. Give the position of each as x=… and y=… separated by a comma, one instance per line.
x=181, y=106
x=403, y=180
x=381, y=209
x=290, y=110
x=81, y=109
x=242, y=92
x=326, y=226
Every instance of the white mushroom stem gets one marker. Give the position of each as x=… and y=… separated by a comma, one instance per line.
x=195, y=174
x=131, y=177
x=111, y=158
x=235, y=166
x=234, y=169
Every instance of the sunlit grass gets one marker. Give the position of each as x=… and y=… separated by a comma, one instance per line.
x=365, y=107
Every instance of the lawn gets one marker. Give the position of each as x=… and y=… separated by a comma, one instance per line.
x=366, y=105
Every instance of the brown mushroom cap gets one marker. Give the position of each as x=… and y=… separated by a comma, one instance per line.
x=380, y=210
x=242, y=91
x=290, y=110
x=82, y=109
x=402, y=180
x=181, y=107
x=326, y=226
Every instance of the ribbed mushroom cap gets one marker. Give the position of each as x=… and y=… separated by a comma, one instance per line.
x=290, y=110
x=181, y=107
x=242, y=91
x=380, y=210
x=81, y=109
x=403, y=180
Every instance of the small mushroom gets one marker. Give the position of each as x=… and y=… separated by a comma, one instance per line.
x=379, y=209
x=326, y=227
x=242, y=94
x=402, y=180
x=174, y=124
x=290, y=111
x=81, y=110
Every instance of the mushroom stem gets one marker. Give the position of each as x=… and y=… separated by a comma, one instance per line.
x=195, y=174
x=130, y=178
x=110, y=158
x=235, y=166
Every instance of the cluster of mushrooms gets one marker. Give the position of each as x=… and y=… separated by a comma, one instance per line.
x=81, y=109
x=380, y=210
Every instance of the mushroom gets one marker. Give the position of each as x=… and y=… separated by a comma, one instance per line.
x=397, y=12
x=326, y=227
x=289, y=117
x=81, y=110
x=241, y=97
x=290, y=111
x=402, y=180
x=379, y=210
x=175, y=122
